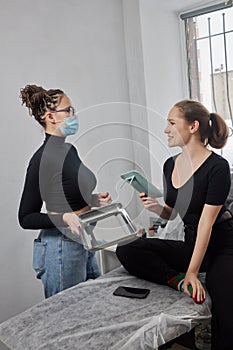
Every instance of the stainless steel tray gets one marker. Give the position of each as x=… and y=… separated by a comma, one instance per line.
x=105, y=226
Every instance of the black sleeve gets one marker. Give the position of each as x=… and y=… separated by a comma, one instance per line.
x=29, y=214
x=167, y=190
x=165, y=181
x=219, y=183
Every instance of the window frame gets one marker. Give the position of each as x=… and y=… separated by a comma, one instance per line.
x=184, y=49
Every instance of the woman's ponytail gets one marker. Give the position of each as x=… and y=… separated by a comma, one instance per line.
x=219, y=131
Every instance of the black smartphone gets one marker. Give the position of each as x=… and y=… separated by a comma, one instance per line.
x=131, y=292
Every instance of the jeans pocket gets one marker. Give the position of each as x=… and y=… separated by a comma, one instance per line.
x=39, y=250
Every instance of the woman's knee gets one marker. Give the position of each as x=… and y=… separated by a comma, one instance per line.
x=121, y=252
x=128, y=254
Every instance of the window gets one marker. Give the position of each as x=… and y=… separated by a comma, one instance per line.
x=209, y=43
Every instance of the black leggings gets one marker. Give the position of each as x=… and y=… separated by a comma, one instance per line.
x=158, y=260
x=154, y=259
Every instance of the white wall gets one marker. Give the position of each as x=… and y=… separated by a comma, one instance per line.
x=77, y=46
x=105, y=54
x=165, y=71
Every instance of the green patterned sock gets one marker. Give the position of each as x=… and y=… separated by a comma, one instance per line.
x=177, y=282
x=181, y=287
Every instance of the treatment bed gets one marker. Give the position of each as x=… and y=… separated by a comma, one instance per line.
x=88, y=316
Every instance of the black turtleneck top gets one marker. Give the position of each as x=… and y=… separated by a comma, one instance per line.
x=56, y=177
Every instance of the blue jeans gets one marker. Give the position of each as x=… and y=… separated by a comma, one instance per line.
x=60, y=262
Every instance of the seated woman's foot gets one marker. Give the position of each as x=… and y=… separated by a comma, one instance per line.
x=177, y=283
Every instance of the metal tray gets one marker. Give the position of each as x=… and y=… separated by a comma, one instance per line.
x=105, y=226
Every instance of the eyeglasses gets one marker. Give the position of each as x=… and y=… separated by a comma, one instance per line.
x=69, y=110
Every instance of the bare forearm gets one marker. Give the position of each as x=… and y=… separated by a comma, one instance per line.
x=152, y=204
x=165, y=212
x=204, y=230
x=202, y=241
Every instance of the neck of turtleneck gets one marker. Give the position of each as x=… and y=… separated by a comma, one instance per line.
x=55, y=139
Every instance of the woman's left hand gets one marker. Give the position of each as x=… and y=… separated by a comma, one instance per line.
x=72, y=220
x=104, y=199
x=100, y=199
x=198, y=294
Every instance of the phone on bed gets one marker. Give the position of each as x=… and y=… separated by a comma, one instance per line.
x=141, y=184
x=131, y=292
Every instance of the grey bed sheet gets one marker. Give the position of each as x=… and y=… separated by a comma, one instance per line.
x=88, y=316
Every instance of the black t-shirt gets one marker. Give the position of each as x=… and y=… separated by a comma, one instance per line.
x=57, y=177
x=210, y=184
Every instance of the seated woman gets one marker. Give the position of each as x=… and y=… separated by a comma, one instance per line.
x=196, y=185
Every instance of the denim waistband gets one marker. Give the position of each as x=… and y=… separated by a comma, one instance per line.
x=62, y=232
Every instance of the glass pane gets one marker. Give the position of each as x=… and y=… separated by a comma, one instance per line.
x=216, y=22
x=218, y=101
x=202, y=25
x=229, y=18
x=206, y=76
x=209, y=71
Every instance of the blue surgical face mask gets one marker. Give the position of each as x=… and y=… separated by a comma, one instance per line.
x=71, y=126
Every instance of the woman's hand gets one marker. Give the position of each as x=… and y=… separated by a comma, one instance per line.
x=100, y=199
x=198, y=294
x=150, y=203
x=72, y=221
x=104, y=199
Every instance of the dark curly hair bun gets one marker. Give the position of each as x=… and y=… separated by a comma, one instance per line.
x=39, y=100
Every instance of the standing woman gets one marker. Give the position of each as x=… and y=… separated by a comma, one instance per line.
x=196, y=185
x=57, y=178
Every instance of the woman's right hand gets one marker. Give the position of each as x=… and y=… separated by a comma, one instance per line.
x=198, y=294
x=72, y=221
x=150, y=203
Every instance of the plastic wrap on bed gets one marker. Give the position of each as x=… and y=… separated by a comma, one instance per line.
x=89, y=316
